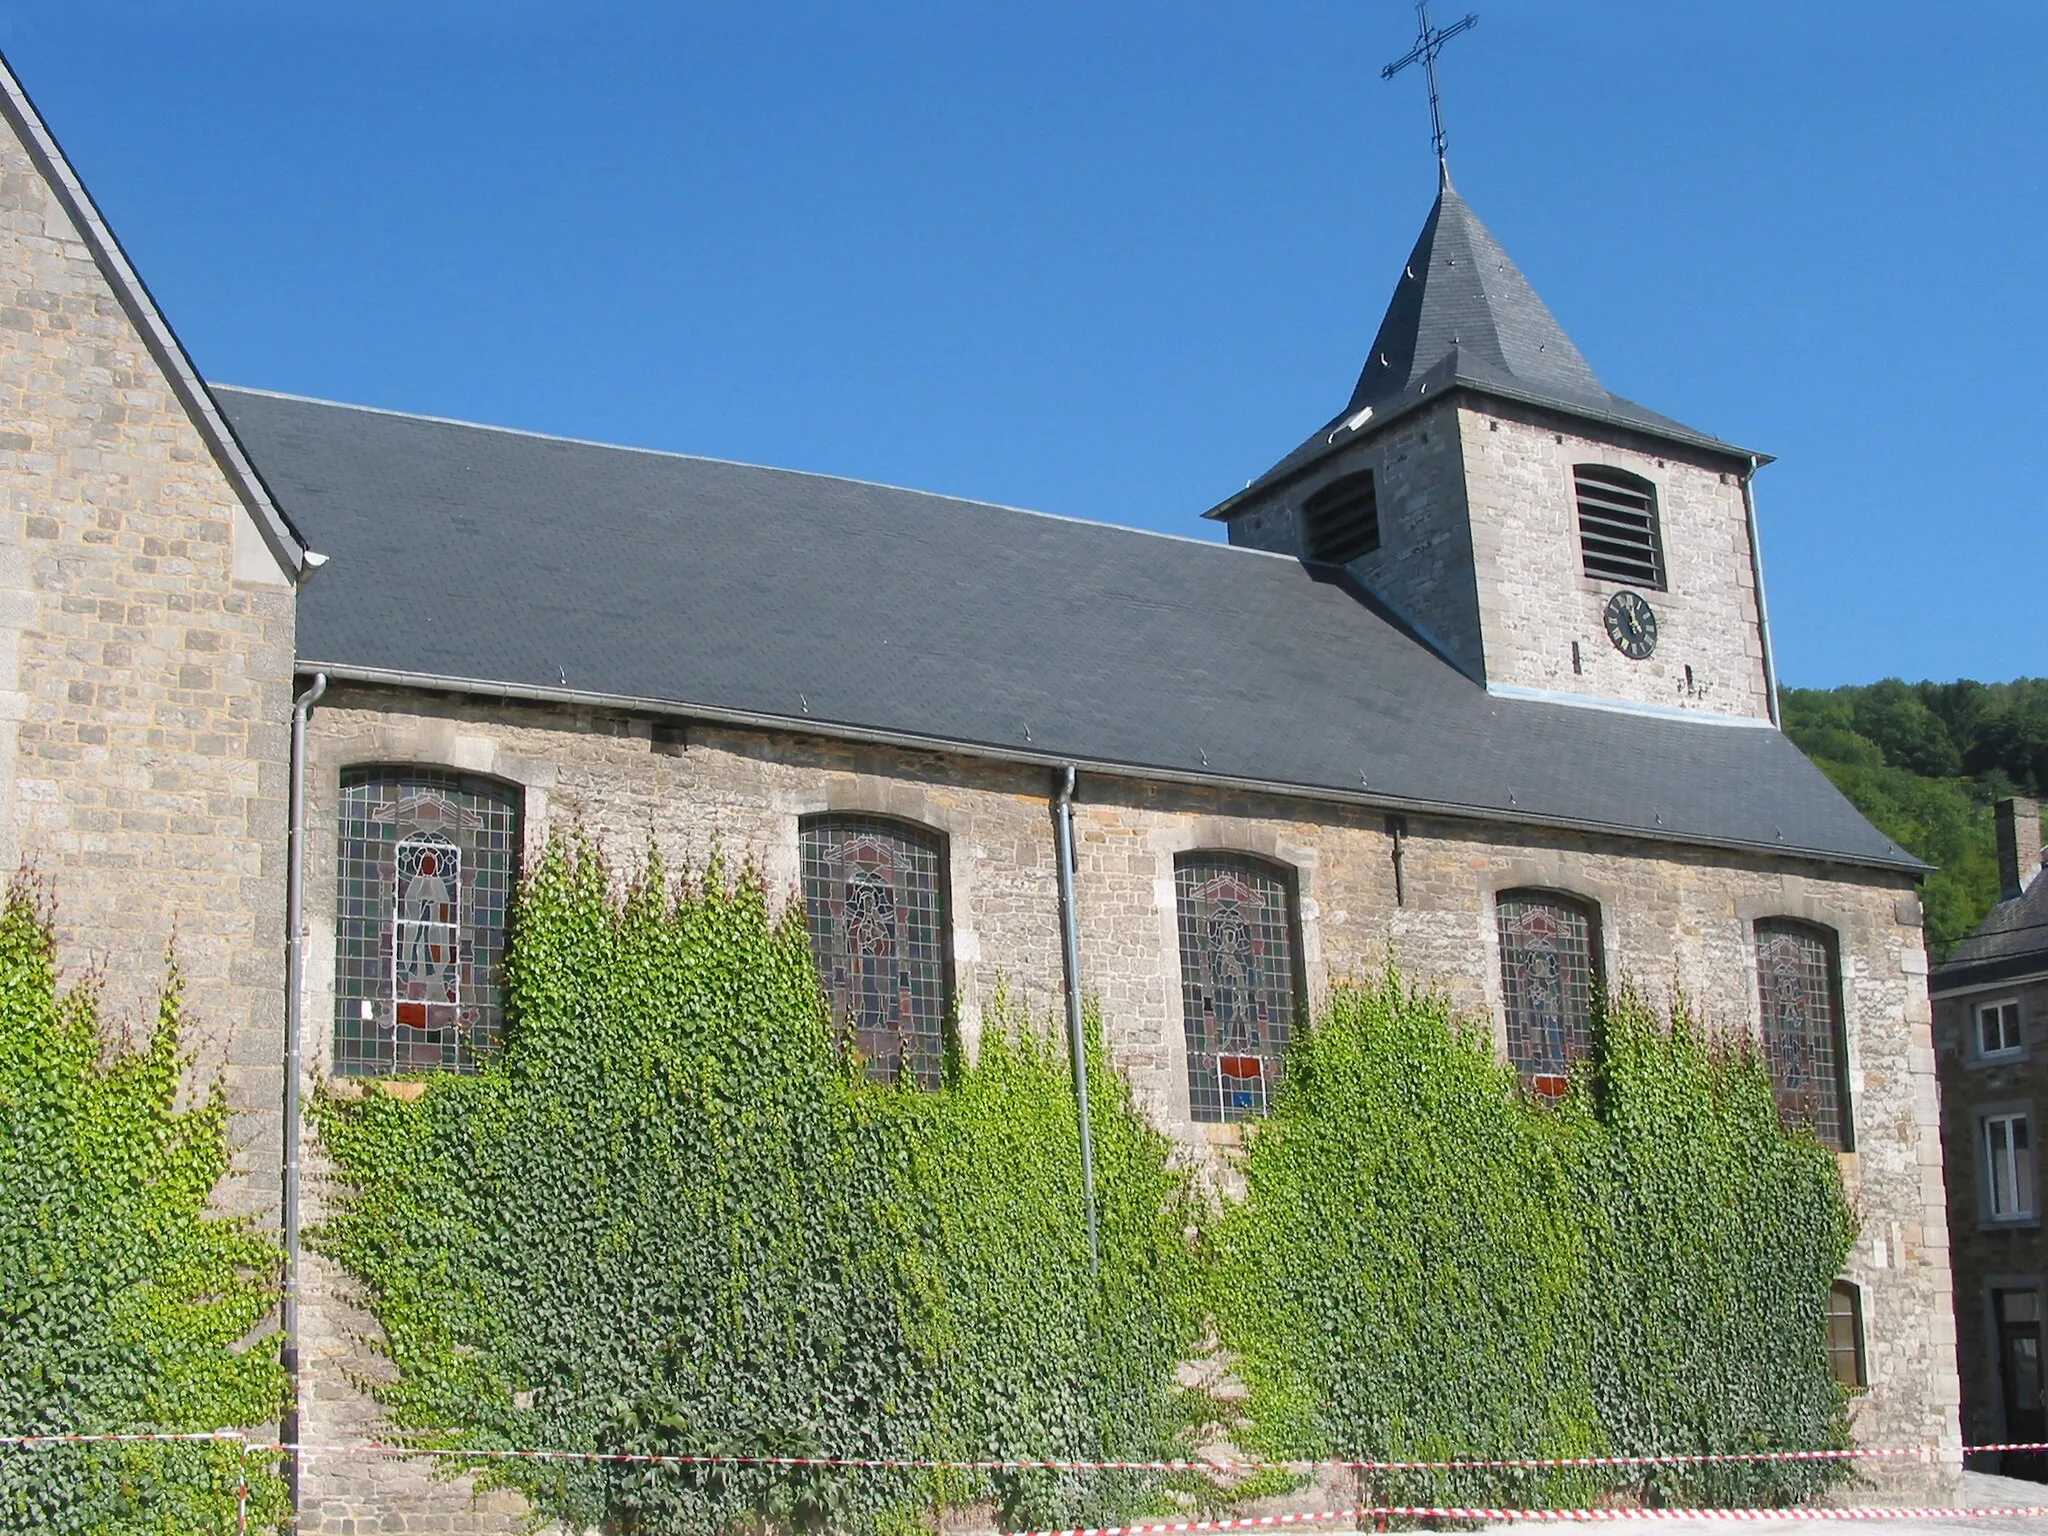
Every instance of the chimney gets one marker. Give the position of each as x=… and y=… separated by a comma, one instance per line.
x=2019, y=846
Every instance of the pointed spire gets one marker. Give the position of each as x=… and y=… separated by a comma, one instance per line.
x=1463, y=316
x=1461, y=300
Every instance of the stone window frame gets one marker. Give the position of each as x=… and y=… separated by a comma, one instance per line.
x=523, y=809
x=1352, y=488
x=1589, y=904
x=1830, y=938
x=939, y=843
x=930, y=804
x=1982, y=1117
x=1794, y=903
x=1289, y=877
x=1274, y=838
x=2017, y=1051
x=1598, y=581
x=1845, y=1290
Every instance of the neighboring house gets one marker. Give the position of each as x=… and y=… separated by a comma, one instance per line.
x=1991, y=1028
x=1482, y=679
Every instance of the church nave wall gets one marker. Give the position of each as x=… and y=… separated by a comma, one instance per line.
x=1671, y=920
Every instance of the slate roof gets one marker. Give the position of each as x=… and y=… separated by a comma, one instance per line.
x=1462, y=315
x=508, y=563
x=2011, y=942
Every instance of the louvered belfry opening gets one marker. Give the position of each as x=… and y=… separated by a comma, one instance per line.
x=1618, y=531
x=1342, y=520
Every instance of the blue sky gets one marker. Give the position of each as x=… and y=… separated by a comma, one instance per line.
x=1111, y=260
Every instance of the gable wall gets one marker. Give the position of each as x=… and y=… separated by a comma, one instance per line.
x=144, y=673
x=1671, y=916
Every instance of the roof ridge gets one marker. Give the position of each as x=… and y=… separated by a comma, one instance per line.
x=775, y=469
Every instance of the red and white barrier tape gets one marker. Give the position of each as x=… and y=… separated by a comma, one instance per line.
x=32, y=1442
x=935, y=1464
x=1549, y=1516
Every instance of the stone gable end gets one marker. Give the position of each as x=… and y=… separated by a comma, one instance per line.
x=145, y=671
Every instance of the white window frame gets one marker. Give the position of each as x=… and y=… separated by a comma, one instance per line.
x=1998, y=1008
x=2005, y=1144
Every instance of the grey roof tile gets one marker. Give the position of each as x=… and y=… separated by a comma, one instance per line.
x=469, y=553
x=2010, y=942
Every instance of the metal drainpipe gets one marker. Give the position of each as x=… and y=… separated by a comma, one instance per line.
x=1756, y=576
x=1077, y=1040
x=294, y=974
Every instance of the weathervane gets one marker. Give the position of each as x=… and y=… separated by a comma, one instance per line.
x=1429, y=42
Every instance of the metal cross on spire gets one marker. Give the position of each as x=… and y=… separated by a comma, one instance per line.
x=1429, y=42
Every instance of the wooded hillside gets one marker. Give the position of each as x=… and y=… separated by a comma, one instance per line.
x=1925, y=761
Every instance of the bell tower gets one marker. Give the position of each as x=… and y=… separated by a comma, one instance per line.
x=1544, y=535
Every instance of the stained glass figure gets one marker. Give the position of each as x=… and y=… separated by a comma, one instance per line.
x=875, y=903
x=425, y=868
x=1802, y=1027
x=1547, y=985
x=1240, y=969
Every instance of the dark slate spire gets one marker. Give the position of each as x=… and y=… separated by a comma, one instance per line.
x=1463, y=316
x=1461, y=299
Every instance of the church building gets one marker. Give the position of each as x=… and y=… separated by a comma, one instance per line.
x=1481, y=679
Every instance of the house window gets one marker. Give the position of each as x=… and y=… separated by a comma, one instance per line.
x=875, y=901
x=1800, y=998
x=1845, y=1334
x=425, y=866
x=1619, y=538
x=1240, y=975
x=1548, y=978
x=2008, y=1167
x=1341, y=521
x=1998, y=1028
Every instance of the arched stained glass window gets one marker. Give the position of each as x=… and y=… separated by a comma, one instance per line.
x=1549, y=971
x=875, y=903
x=1799, y=989
x=1240, y=972
x=425, y=869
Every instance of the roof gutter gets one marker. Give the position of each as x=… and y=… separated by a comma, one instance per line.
x=295, y=974
x=1756, y=576
x=806, y=725
x=1077, y=1034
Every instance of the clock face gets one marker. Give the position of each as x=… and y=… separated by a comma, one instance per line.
x=1631, y=625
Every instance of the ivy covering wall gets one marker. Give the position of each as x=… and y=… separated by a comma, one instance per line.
x=122, y=1301
x=1429, y=1264
x=665, y=1218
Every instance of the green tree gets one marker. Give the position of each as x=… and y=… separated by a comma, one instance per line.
x=1924, y=762
x=124, y=1303
x=1910, y=735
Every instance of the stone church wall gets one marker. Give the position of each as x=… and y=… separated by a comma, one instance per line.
x=1479, y=550
x=1536, y=600
x=1672, y=918
x=145, y=669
